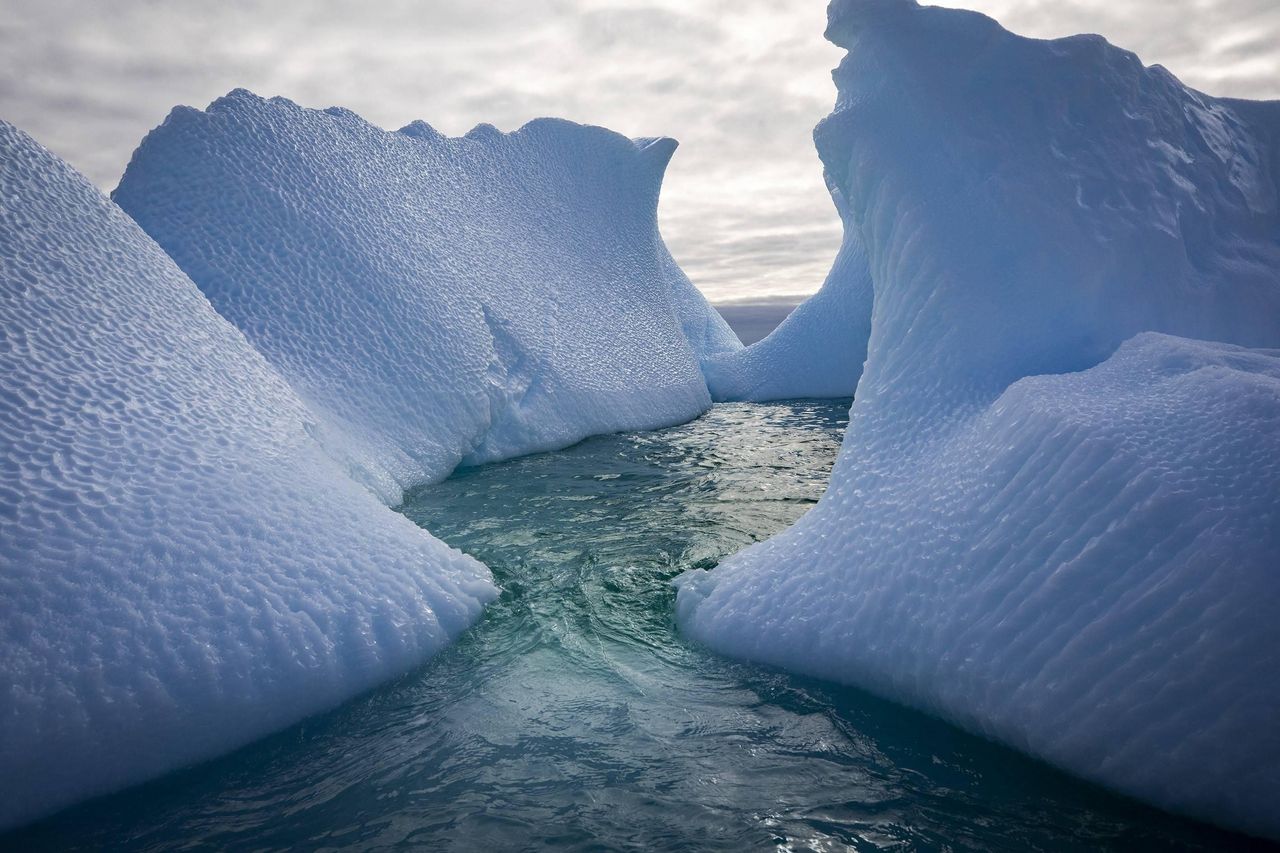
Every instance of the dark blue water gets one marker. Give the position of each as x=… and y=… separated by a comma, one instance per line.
x=574, y=716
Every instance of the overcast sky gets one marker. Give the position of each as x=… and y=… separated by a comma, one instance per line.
x=739, y=82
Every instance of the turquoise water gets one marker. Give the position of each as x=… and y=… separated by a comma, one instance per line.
x=574, y=716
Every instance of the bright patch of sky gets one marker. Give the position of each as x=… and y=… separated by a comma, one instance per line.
x=740, y=83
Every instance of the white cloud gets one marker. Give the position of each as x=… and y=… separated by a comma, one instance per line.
x=739, y=82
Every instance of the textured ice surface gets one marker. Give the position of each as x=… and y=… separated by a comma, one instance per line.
x=437, y=300
x=1087, y=571
x=1085, y=565
x=182, y=567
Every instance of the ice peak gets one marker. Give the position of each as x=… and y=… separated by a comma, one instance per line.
x=656, y=150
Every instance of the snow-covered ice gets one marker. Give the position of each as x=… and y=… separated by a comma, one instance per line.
x=182, y=567
x=437, y=300
x=1062, y=540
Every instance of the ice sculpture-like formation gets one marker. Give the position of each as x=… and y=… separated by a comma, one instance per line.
x=1062, y=540
x=436, y=300
x=182, y=566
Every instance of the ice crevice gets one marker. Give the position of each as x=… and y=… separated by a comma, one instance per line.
x=509, y=379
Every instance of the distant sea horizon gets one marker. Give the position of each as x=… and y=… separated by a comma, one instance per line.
x=753, y=319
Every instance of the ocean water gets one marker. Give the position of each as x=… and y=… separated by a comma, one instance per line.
x=574, y=716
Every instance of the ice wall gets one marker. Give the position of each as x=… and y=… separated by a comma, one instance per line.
x=182, y=567
x=438, y=301
x=1066, y=543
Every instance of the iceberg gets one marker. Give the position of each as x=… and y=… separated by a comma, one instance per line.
x=1055, y=519
x=436, y=301
x=183, y=568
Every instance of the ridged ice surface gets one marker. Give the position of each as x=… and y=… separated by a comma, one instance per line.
x=1086, y=571
x=1086, y=565
x=436, y=300
x=182, y=567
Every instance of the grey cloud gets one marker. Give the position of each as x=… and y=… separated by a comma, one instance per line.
x=635, y=29
x=1225, y=47
x=739, y=82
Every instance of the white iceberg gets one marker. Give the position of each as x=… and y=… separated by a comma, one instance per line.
x=1064, y=541
x=437, y=300
x=182, y=566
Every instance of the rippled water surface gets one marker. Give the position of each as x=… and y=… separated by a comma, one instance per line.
x=573, y=715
